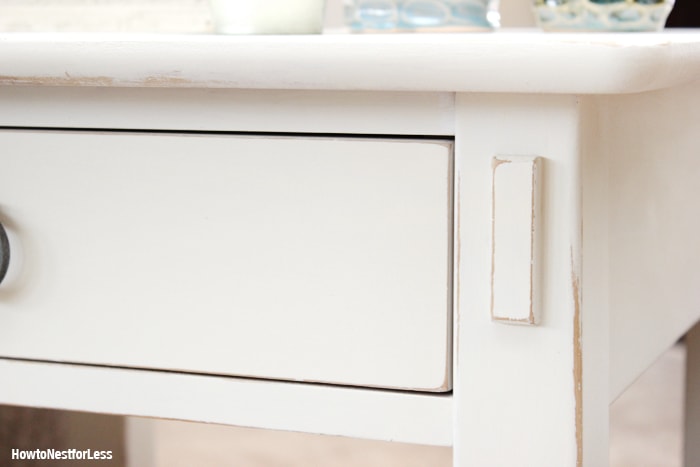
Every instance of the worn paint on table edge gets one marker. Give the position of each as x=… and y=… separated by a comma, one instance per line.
x=100, y=81
x=578, y=363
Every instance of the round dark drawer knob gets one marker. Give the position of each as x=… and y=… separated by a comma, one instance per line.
x=4, y=252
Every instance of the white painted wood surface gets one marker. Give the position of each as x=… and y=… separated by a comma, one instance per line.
x=514, y=217
x=517, y=390
x=619, y=275
x=305, y=259
x=387, y=415
x=545, y=63
x=652, y=146
x=388, y=113
x=594, y=286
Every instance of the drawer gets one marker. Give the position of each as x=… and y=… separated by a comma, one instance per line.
x=290, y=258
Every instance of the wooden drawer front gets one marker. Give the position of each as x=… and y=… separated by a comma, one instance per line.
x=305, y=259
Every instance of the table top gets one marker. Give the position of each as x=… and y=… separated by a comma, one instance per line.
x=507, y=61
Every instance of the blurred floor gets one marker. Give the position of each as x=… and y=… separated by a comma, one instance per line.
x=645, y=429
x=187, y=444
x=647, y=420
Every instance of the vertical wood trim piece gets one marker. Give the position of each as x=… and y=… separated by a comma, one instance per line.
x=691, y=449
x=590, y=282
x=514, y=385
x=514, y=216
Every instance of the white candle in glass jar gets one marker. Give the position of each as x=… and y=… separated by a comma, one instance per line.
x=268, y=16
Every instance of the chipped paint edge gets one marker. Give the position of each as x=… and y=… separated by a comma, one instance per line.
x=578, y=362
x=69, y=80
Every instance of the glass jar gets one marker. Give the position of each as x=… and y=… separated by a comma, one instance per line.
x=421, y=15
x=602, y=15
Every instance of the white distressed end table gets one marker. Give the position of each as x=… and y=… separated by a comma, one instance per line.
x=467, y=240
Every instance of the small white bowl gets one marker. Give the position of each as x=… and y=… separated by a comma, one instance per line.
x=268, y=16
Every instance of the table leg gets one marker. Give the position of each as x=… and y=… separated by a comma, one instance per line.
x=529, y=394
x=692, y=398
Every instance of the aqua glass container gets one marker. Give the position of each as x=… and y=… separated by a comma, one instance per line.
x=421, y=15
x=602, y=15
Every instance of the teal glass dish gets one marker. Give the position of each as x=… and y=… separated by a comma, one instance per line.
x=421, y=15
x=602, y=15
